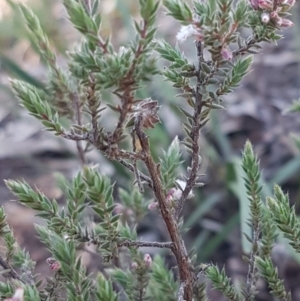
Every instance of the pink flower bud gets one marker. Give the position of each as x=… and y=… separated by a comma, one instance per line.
x=265, y=17
x=169, y=199
x=274, y=15
x=53, y=264
x=119, y=208
x=147, y=260
x=265, y=4
x=174, y=194
x=169, y=196
x=284, y=23
x=226, y=53
x=153, y=206
x=134, y=265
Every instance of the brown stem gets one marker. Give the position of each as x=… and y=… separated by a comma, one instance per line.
x=179, y=249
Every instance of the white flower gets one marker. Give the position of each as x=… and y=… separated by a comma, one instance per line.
x=182, y=185
x=265, y=17
x=188, y=31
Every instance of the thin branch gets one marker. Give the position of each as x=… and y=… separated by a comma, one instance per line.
x=75, y=137
x=119, y=156
x=141, y=175
x=243, y=50
x=138, y=178
x=128, y=155
x=140, y=244
x=194, y=135
x=132, y=243
x=12, y=273
x=136, y=171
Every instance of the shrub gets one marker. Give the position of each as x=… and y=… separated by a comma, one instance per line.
x=224, y=55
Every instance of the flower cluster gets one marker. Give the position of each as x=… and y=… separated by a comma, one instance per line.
x=275, y=11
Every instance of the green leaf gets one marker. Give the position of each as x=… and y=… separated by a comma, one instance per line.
x=179, y=10
x=170, y=162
